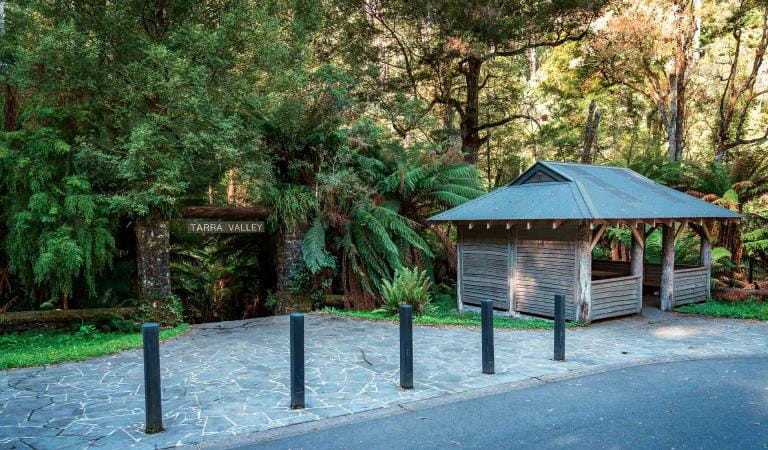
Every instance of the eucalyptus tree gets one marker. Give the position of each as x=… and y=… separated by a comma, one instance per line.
x=739, y=102
x=443, y=55
x=649, y=47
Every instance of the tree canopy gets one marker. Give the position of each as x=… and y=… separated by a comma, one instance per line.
x=353, y=121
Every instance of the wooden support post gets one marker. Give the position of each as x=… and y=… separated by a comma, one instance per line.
x=637, y=258
x=459, y=270
x=583, y=289
x=705, y=256
x=667, y=291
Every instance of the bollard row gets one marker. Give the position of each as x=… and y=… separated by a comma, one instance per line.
x=151, y=336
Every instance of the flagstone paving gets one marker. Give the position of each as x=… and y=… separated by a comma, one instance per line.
x=224, y=379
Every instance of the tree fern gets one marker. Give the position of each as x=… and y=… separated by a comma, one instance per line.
x=313, y=251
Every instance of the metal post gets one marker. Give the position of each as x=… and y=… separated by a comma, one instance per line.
x=152, y=395
x=297, y=360
x=406, y=347
x=559, y=327
x=487, y=332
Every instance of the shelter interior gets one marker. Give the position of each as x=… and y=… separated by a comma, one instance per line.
x=522, y=265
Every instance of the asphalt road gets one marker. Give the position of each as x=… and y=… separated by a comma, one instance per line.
x=697, y=404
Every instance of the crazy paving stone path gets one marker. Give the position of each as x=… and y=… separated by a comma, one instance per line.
x=229, y=378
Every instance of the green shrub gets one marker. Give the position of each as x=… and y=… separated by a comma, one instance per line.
x=409, y=286
x=168, y=312
x=112, y=323
x=86, y=330
x=743, y=309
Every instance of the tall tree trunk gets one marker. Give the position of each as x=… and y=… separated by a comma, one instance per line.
x=10, y=108
x=730, y=238
x=453, y=139
x=470, y=120
x=231, y=189
x=153, y=258
x=590, y=131
x=672, y=120
x=697, y=25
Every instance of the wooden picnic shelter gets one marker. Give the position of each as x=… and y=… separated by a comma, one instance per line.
x=521, y=244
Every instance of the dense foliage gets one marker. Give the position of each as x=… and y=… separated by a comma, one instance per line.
x=354, y=121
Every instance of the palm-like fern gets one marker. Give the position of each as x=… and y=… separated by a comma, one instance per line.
x=370, y=218
x=213, y=276
x=421, y=180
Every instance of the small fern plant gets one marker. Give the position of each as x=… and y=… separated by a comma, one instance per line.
x=409, y=286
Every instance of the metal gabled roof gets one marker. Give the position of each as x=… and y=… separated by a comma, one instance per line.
x=582, y=191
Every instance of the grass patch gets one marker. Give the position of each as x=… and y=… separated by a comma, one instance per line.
x=37, y=348
x=734, y=310
x=445, y=314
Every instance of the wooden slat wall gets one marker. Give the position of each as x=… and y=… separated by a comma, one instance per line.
x=690, y=285
x=545, y=266
x=616, y=297
x=485, y=266
x=652, y=274
x=620, y=267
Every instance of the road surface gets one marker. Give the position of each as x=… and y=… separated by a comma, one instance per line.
x=720, y=403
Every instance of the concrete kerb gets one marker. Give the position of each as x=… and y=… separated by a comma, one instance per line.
x=417, y=405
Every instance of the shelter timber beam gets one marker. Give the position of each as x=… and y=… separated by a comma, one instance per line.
x=225, y=212
x=638, y=235
x=650, y=230
x=597, y=236
x=679, y=231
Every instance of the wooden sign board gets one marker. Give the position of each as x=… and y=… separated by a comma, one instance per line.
x=225, y=227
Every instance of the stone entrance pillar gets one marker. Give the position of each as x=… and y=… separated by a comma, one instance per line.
x=288, y=256
x=153, y=258
x=288, y=261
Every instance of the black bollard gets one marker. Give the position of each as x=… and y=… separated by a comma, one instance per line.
x=406, y=347
x=559, y=327
x=487, y=332
x=297, y=360
x=152, y=394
